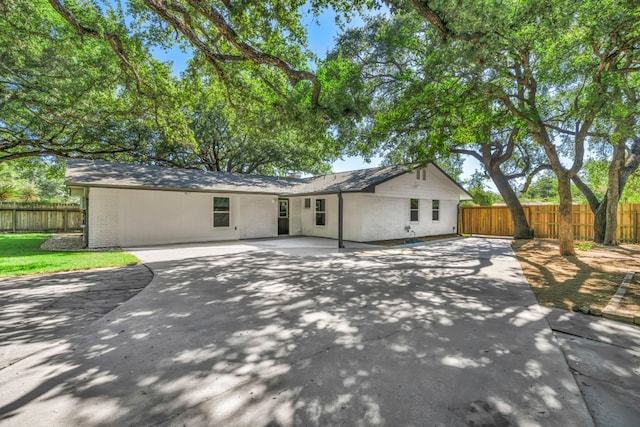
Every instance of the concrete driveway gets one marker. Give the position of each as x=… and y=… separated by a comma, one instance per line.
x=444, y=334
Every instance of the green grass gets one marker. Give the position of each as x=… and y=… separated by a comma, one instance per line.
x=584, y=246
x=20, y=254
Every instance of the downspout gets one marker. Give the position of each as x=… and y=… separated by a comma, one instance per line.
x=340, y=219
x=85, y=231
x=458, y=219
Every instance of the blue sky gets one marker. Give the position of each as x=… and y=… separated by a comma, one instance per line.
x=322, y=36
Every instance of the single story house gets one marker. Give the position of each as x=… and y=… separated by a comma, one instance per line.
x=127, y=205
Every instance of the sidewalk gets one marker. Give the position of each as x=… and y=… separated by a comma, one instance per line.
x=604, y=357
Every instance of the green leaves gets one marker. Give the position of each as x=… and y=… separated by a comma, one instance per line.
x=69, y=95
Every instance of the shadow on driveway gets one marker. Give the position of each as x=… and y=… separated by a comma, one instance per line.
x=39, y=311
x=446, y=334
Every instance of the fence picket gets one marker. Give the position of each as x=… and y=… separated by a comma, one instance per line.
x=28, y=217
x=496, y=221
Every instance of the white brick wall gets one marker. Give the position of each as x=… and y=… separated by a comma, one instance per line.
x=103, y=216
x=308, y=218
x=369, y=217
x=127, y=217
x=257, y=216
x=382, y=218
x=296, y=208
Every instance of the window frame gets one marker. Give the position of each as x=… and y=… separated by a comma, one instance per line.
x=415, y=210
x=218, y=211
x=435, y=210
x=307, y=202
x=285, y=203
x=320, y=203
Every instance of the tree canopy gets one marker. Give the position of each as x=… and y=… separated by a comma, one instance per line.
x=442, y=76
x=522, y=86
x=79, y=80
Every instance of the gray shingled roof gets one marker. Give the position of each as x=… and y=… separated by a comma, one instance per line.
x=105, y=174
x=352, y=181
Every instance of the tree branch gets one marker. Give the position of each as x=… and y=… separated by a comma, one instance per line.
x=511, y=144
x=588, y=194
x=167, y=9
x=532, y=175
x=467, y=152
x=112, y=38
x=573, y=133
x=423, y=9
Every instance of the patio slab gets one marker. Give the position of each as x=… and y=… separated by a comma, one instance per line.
x=444, y=334
x=37, y=312
x=604, y=357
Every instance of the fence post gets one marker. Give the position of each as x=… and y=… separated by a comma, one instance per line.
x=13, y=220
x=634, y=226
x=64, y=219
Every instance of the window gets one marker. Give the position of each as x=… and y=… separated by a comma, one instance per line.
x=414, y=210
x=283, y=210
x=307, y=203
x=435, y=210
x=221, y=209
x=320, y=212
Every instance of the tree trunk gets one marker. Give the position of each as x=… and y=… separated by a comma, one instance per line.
x=611, y=228
x=521, y=229
x=625, y=170
x=613, y=194
x=597, y=207
x=565, y=210
x=600, y=221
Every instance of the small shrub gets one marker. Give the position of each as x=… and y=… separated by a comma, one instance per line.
x=8, y=192
x=29, y=192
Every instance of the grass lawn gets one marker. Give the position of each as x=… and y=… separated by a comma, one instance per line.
x=20, y=254
x=590, y=278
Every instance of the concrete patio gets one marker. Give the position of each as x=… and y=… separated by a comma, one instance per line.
x=277, y=332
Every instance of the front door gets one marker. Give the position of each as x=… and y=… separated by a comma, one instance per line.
x=283, y=216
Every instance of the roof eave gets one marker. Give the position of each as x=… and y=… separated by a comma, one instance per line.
x=161, y=188
x=324, y=193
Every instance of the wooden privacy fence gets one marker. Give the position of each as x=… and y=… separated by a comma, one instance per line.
x=26, y=217
x=496, y=221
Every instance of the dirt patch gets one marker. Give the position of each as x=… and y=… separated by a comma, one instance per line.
x=630, y=304
x=72, y=242
x=590, y=278
x=64, y=242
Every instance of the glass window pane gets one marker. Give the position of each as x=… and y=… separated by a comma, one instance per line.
x=436, y=216
x=414, y=215
x=320, y=219
x=415, y=203
x=307, y=203
x=220, y=219
x=320, y=205
x=435, y=204
x=284, y=209
x=220, y=203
